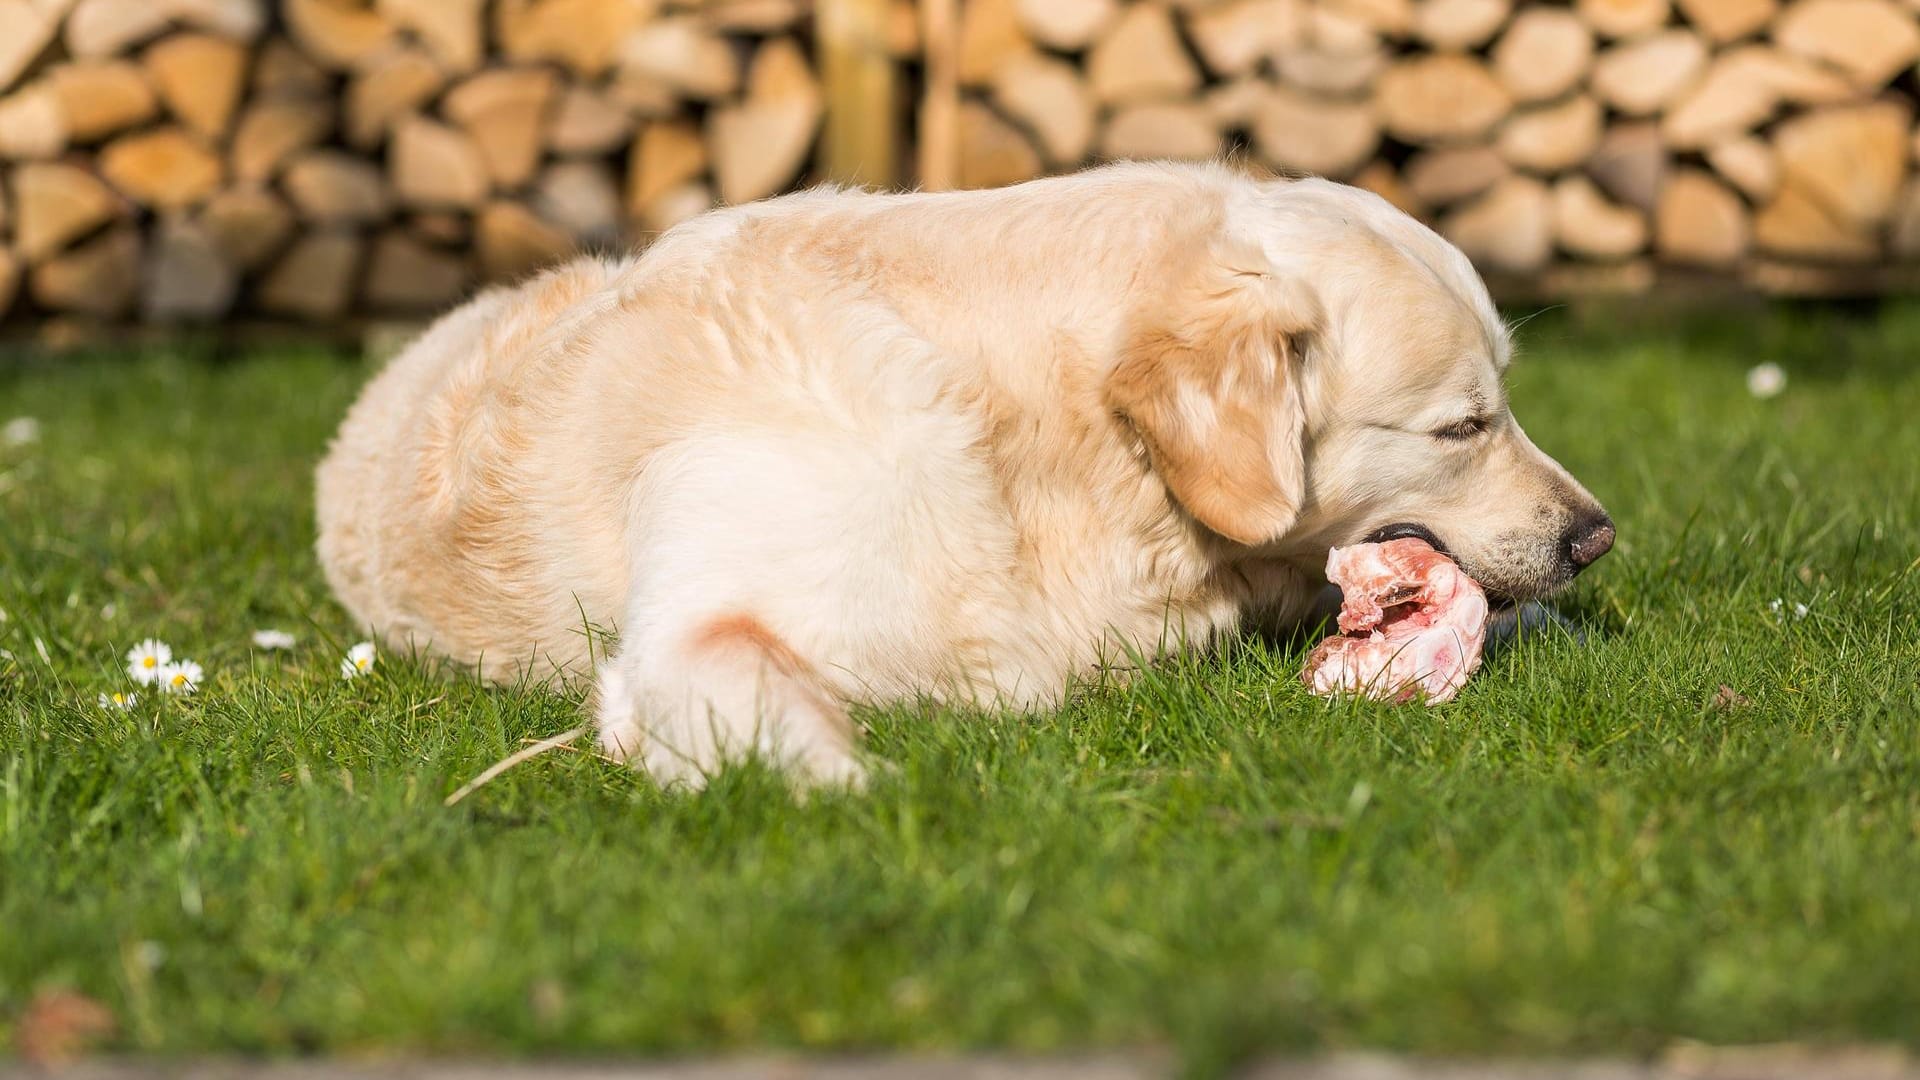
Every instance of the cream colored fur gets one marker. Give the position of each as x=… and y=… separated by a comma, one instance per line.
x=842, y=447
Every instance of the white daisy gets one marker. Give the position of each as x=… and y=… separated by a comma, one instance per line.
x=1800, y=611
x=150, y=954
x=120, y=701
x=359, y=661
x=272, y=639
x=1766, y=380
x=181, y=678
x=145, y=660
x=20, y=431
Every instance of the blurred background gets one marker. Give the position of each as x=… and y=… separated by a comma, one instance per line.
x=183, y=161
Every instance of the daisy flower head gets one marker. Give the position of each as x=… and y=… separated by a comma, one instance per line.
x=20, y=431
x=1766, y=380
x=119, y=700
x=145, y=660
x=359, y=661
x=181, y=678
x=272, y=639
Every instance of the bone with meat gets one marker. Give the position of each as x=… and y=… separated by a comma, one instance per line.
x=1412, y=625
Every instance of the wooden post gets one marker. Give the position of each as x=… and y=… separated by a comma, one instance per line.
x=860, y=141
x=938, y=133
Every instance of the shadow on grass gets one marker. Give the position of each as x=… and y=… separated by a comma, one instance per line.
x=1818, y=340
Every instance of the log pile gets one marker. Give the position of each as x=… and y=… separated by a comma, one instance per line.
x=183, y=160
x=192, y=160
x=1565, y=146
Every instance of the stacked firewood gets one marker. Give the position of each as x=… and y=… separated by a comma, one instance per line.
x=200, y=159
x=192, y=159
x=1579, y=145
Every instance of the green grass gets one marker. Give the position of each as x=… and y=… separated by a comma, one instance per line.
x=1582, y=854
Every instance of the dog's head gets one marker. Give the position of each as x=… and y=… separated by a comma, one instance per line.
x=1329, y=370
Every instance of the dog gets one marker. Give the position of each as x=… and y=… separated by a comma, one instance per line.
x=845, y=448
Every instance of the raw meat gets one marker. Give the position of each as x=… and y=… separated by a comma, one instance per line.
x=1412, y=625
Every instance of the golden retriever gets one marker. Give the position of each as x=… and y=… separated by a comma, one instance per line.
x=841, y=447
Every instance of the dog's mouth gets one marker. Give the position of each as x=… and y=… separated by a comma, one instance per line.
x=1401, y=530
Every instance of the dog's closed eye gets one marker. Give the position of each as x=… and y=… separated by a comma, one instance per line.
x=1461, y=430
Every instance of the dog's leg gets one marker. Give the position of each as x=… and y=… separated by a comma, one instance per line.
x=689, y=698
x=768, y=570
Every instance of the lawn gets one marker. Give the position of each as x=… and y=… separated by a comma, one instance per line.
x=1596, y=848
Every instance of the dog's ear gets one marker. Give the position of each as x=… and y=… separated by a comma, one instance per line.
x=1210, y=382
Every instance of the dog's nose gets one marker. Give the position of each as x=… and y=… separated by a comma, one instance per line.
x=1589, y=539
